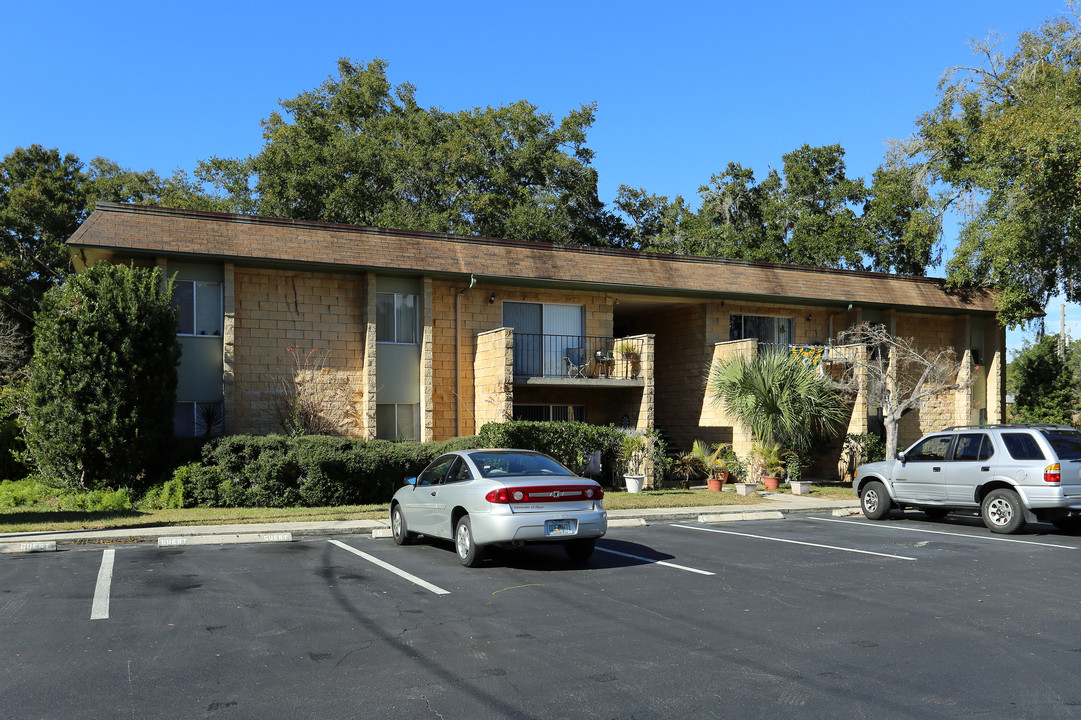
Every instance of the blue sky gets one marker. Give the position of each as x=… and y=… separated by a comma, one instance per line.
x=682, y=88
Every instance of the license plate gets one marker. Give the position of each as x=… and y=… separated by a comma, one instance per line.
x=560, y=527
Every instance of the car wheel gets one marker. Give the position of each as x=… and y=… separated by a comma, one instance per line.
x=875, y=501
x=468, y=551
x=936, y=513
x=579, y=550
x=398, y=528
x=1002, y=511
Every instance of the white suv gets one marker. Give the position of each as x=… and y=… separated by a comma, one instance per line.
x=1010, y=474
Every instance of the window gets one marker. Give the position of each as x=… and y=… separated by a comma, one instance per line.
x=1065, y=443
x=433, y=474
x=197, y=419
x=396, y=318
x=1022, y=446
x=973, y=447
x=929, y=449
x=198, y=307
x=550, y=413
x=460, y=472
x=767, y=330
x=397, y=421
x=543, y=332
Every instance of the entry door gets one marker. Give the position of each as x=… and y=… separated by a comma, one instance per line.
x=542, y=334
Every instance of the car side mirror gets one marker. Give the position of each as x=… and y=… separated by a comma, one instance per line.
x=411, y=481
x=901, y=457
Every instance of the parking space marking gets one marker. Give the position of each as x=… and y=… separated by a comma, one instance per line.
x=100, y=608
x=942, y=532
x=657, y=562
x=795, y=542
x=397, y=571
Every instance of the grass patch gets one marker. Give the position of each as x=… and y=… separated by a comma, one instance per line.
x=618, y=500
x=25, y=519
x=48, y=515
x=824, y=492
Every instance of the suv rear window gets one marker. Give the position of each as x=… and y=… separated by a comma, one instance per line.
x=1022, y=446
x=1065, y=443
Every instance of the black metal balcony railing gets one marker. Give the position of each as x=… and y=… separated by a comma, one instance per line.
x=576, y=356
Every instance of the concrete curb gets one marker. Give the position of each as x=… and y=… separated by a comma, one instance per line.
x=274, y=532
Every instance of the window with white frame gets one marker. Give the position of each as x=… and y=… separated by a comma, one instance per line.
x=397, y=421
x=198, y=306
x=396, y=318
x=198, y=419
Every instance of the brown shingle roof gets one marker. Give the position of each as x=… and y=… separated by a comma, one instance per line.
x=240, y=238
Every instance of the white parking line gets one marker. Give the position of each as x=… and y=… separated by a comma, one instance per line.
x=658, y=562
x=941, y=532
x=397, y=571
x=100, y=609
x=795, y=542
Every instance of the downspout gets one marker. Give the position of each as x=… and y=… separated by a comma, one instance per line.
x=830, y=325
x=458, y=355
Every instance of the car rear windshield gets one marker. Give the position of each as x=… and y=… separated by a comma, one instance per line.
x=511, y=464
x=1066, y=443
x=1022, y=446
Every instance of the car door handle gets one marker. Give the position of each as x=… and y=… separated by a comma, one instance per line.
x=936, y=469
x=433, y=493
x=985, y=468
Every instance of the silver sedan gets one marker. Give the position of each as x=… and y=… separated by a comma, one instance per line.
x=479, y=498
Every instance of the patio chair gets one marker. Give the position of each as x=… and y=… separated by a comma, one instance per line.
x=575, y=361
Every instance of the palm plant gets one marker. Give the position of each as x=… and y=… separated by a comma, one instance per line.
x=779, y=399
x=712, y=461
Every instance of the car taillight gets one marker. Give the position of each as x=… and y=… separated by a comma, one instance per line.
x=498, y=496
x=546, y=494
x=1052, y=473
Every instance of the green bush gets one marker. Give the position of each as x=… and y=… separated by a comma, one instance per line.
x=571, y=443
x=25, y=492
x=308, y=471
x=169, y=494
x=102, y=384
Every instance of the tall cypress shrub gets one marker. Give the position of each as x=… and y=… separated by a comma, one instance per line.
x=102, y=380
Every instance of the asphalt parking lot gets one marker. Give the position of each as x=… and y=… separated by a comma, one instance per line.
x=810, y=616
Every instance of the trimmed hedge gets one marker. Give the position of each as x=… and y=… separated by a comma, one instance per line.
x=318, y=470
x=306, y=471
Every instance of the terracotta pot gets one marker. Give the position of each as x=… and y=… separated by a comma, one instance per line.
x=716, y=482
x=771, y=483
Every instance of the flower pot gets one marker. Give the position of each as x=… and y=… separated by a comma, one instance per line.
x=771, y=483
x=745, y=488
x=801, y=487
x=717, y=481
x=634, y=482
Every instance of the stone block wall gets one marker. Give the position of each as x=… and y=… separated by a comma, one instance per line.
x=493, y=377
x=275, y=310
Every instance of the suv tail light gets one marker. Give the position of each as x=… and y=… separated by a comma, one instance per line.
x=544, y=494
x=1052, y=473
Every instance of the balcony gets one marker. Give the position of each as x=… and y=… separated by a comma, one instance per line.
x=578, y=359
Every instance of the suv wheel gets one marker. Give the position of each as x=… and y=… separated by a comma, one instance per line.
x=1002, y=511
x=875, y=501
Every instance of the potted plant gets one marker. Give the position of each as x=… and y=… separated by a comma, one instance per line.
x=632, y=453
x=631, y=357
x=685, y=468
x=770, y=459
x=799, y=487
x=713, y=463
